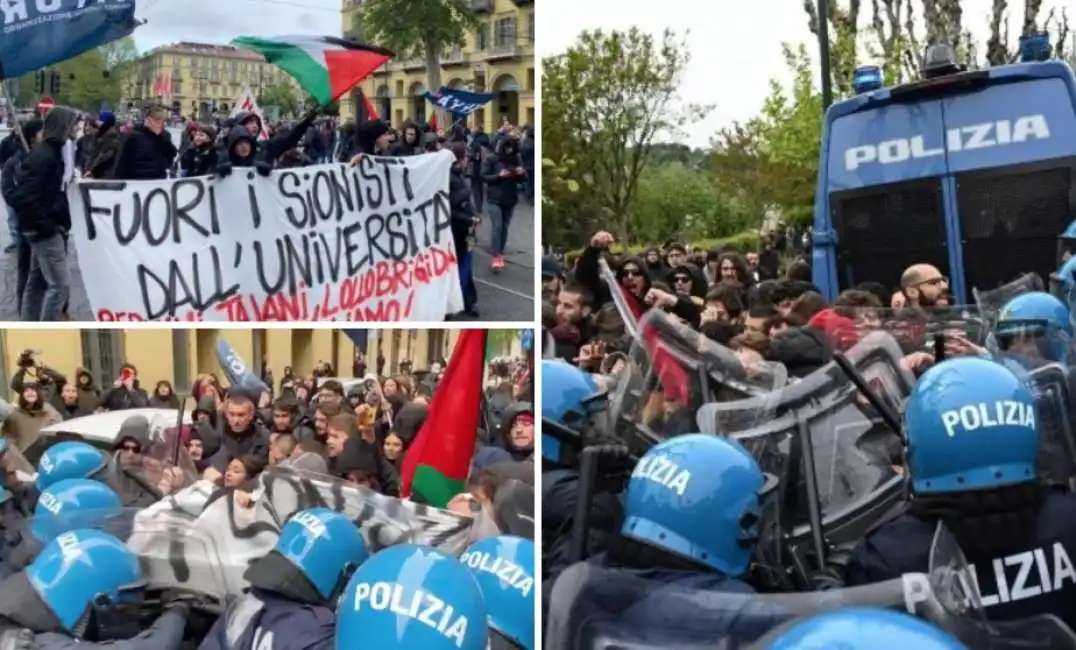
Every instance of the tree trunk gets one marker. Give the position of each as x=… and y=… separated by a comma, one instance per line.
x=433, y=82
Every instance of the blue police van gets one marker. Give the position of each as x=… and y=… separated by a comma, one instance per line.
x=971, y=171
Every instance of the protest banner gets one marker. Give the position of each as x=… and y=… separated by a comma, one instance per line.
x=370, y=242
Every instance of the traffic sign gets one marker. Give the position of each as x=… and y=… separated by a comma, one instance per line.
x=46, y=103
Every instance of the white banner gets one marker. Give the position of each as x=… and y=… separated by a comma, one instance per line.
x=371, y=242
x=201, y=539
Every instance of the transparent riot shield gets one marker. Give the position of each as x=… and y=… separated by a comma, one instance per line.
x=161, y=468
x=990, y=301
x=835, y=449
x=596, y=607
x=173, y=554
x=673, y=372
x=958, y=327
x=1057, y=423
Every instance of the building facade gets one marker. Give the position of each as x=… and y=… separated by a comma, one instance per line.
x=195, y=78
x=179, y=356
x=497, y=58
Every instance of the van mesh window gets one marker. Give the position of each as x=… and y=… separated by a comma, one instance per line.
x=881, y=233
x=1009, y=224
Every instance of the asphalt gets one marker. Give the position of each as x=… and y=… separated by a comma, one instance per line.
x=507, y=296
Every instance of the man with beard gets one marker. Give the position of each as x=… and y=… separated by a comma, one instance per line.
x=924, y=286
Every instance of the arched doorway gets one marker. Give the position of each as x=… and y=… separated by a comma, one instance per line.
x=506, y=104
x=383, y=103
x=418, y=102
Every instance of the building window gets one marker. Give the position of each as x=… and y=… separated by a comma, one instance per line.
x=181, y=356
x=177, y=86
x=481, y=37
x=101, y=353
x=530, y=27
x=504, y=32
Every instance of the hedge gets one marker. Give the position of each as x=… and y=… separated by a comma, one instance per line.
x=743, y=242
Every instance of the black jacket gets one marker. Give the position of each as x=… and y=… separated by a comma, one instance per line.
x=103, y=150
x=459, y=198
x=38, y=197
x=198, y=161
x=501, y=190
x=145, y=155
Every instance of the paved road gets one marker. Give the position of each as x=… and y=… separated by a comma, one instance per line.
x=506, y=296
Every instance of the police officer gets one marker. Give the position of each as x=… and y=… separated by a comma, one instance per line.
x=72, y=503
x=972, y=441
x=70, y=459
x=570, y=401
x=410, y=596
x=294, y=587
x=1035, y=327
x=692, y=515
x=860, y=628
x=504, y=568
x=86, y=584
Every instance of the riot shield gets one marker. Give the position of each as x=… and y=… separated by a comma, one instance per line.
x=1057, y=423
x=990, y=301
x=673, y=372
x=173, y=554
x=836, y=456
x=163, y=466
x=596, y=607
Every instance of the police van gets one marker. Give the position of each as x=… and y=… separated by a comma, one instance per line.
x=971, y=171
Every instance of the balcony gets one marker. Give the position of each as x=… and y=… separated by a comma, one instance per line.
x=453, y=57
x=482, y=6
x=413, y=64
x=501, y=51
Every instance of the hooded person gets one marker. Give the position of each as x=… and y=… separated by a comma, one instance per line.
x=410, y=143
x=32, y=413
x=294, y=157
x=242, y=148
x=408, y=420
x=373, y=138
x=44, y=217
x=89, y=396
x=294, y=588
x=516, y=431
x=164, y=396
x=202, y=442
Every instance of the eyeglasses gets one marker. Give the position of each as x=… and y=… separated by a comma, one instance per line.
x=681, y=279
x=632, y=273
x=941, y=279
x=131, y=447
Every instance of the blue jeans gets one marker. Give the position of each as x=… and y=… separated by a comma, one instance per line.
x=49, y=283
x=12, y=224
x=500, y=217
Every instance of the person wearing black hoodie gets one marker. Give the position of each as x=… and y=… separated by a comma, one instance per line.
x=410, y=143
x=242, y=148
x=464, y=219
x=104, y=148
x=89, y=396
x=372, y=138
x=40, y=202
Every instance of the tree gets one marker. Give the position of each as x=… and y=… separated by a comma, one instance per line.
x=675, y=201
x=424, y=28
x=89, y=79
x=282, y=96
x=605, y=102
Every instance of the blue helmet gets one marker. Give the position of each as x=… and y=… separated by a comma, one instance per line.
x=73, y=503
x=970, y=425
x=68, y=459
x=1066, y=279
x=504, y=568
x=698, y=496
x=565, y=413
x=864, y=628
x=410, y=596
x=84, y=568
x=325, y=546
x=1040, y=315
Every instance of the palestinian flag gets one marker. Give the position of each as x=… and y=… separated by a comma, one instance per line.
x=326, y=67
x=436, y=464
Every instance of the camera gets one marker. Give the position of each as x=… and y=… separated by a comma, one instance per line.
x=26, y=359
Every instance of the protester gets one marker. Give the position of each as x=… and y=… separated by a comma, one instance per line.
x=502, y=173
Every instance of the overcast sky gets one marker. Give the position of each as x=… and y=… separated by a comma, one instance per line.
x=219, y=21
x=735, y=46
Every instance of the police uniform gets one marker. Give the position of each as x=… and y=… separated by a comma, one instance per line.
x=262, y=620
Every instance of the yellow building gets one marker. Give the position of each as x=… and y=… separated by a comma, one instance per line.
x=180, y=355
x=498, y=58
x=196, y=77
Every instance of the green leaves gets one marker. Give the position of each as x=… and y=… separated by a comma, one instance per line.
x=604, y=103
x=415, y=27
x=281, y=95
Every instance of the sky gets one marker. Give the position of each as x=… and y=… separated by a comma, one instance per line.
x=721, y=41
x=219, y=21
